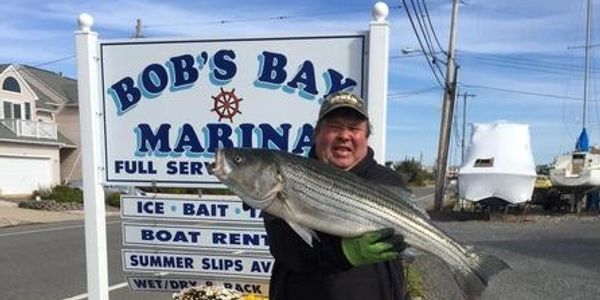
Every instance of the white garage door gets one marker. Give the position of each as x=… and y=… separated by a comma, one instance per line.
x=20, y=175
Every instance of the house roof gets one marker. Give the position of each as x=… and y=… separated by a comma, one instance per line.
x=64, y=86
x=7, y=135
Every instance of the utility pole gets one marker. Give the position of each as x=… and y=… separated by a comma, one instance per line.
x=447, y=111
x=464, y=125
x=138, y=29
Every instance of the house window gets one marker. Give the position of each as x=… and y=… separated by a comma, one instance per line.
x=11, y=84
x=15, y=110
x=7, y=110
x=27, y=111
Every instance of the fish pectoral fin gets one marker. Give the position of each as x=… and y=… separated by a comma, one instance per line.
x=305, y=233
x=410, y=254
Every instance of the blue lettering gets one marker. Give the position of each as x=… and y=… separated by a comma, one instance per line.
x=140, y=283
x=124, y=94
x=182, y=71
x=306, y=78
x=148, y=141
x=172, y=167
x=223, y=67
x=272, y=138
x=244, y=132
x=147, y=235
x=151, y=207
x=134, y=261
x=260, y=267
x=188, y=141
x=216, y=135
x=219, y=137
x=272, y=70
x=188, y=209
x=304, y=139
x=154, y=80
x=333, y=80
x=134, y=166
x=219, y=238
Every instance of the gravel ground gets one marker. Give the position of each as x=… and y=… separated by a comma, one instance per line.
x=551, y=256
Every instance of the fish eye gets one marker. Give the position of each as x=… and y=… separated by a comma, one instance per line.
x=238, y=159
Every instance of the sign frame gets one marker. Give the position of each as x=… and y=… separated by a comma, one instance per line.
x=89, y=95
x=205, y=181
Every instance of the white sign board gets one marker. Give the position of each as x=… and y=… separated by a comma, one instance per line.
x=169, y=104
x=176, y=284
x=197, y=237
x=210, y=208
x=239, y=266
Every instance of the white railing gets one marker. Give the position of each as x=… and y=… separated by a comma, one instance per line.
x=27, y=128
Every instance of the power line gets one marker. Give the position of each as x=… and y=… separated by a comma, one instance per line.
x=54, y=61
x=515, y=63
x=274, y=18
x=432, y=28
x=527, y=64
x=519, y=60
x=415, y=92
x=412, y=23
x=476, y=86
x=426, y=36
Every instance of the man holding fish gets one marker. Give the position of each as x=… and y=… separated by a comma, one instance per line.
x=337, y=222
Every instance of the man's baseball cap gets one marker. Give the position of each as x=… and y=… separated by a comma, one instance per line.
x=343, y=100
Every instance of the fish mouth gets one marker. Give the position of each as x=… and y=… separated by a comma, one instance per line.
x=217, y=168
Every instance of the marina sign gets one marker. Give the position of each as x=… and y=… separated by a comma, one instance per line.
x=176, y=284
x=169, y=104
x=209, y=208
x=245, y=266
x=197, y=237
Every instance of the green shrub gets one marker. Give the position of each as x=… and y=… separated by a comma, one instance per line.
x=414, y=171
x=63, y=193
x=43, y=193
x=113, y=199
x=60, y=194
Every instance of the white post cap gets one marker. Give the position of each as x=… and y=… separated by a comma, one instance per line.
x=380, y=11
x=85, y=22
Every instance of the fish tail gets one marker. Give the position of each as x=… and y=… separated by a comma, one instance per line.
x=474, y=279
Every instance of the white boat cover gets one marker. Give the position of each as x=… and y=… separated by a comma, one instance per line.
x=498, y=163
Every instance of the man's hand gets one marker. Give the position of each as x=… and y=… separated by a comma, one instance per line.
x=372, y=247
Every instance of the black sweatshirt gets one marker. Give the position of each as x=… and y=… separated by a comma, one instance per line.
x=323, y=272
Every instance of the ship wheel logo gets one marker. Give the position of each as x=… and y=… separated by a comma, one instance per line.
x=226, y=105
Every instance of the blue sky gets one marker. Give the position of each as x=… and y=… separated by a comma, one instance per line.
x=521, y=59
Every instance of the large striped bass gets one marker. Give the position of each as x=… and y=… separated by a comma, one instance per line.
x=311, y=195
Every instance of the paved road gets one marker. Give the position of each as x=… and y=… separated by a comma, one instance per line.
x=550, y=259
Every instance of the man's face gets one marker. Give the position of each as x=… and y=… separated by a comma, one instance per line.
x=341, y=139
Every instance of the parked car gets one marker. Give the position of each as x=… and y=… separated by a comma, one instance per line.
x=110, y=189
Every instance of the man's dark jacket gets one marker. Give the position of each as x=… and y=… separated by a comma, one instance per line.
x=323, y=272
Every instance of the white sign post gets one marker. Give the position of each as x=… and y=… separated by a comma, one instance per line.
x=379, y=41
x=93, y=193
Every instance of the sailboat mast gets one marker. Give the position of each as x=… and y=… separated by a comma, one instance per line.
x=588, y=42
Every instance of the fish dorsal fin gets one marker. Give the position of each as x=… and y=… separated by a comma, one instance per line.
x=407, y=196
x=305, y=233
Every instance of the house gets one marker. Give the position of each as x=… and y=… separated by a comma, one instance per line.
x=39, y=130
